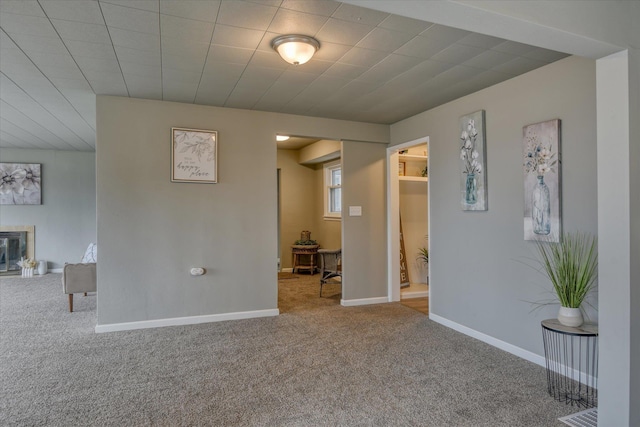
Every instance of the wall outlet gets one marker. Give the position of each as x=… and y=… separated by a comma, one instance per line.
x=197, y=271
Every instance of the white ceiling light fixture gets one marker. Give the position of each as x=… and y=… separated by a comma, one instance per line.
x=281, y=138
x=295, y=49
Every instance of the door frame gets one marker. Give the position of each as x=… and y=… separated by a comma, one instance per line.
x=393, y=216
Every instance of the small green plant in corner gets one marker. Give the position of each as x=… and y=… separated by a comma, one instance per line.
x=308, y=242
x=423, y=255
x=571, y=265
x=572, y=268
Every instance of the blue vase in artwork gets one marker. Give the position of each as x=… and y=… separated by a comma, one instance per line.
x=471, y=189
x=541, y=208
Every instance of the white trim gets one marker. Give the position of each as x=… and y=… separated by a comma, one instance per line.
x=180, y=321
x=287, y=270
x=509, y=348
x=363, y=301
x=55, y=270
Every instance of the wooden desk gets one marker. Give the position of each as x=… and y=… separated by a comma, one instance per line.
x=302, y=253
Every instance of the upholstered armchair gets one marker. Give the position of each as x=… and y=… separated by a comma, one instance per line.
x=81, y=277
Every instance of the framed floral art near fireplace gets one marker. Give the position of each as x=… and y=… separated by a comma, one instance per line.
x=20, y=184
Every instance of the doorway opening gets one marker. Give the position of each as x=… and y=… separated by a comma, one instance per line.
x=408, y=220
x=309, y=220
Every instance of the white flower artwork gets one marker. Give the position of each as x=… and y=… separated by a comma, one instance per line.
x=473, y=181
x=20, y=184
x=541, y=164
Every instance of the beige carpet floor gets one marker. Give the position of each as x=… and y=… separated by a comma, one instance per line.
x=317, y=364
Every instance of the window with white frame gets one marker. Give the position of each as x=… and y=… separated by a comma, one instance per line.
x=333, y=190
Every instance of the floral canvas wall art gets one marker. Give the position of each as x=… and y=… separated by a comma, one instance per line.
x=20, y=184
x=473, y=174
x=541, y=167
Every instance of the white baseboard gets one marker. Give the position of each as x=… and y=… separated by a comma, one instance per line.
x=363, y=301
x=180, y=321
x=54, y=270
x=509, y=348
x=286, y=270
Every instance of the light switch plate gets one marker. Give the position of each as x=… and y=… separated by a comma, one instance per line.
x=355, y=210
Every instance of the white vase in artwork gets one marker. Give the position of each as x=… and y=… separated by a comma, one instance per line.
x=42, y=267
x=570, y=316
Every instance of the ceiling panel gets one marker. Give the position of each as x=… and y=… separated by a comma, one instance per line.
x=143, y=86
x=230, y=54
x=127, y=18
x=292, y=22
x=141, y=70
x=21, y=7
x=404, y=24
x=323, y=8
x=246, y=14
x=191, y=9
x=134, y=39
x=56, y=55
x=138, y=56
x=148, y=5
x=360, y=15
x=384, y=40
x=236, y=37
x=179, y=91
x=70, y=30
x=16, y=134
x=73, y=10
x=25, y=24
x=185, y=31
x=423, y=47
x=37, y=44
x=343, y=32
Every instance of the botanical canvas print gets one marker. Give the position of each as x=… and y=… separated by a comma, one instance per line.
x=473, y=177
x=194, y=155
x=541, y=151
x=20, y=184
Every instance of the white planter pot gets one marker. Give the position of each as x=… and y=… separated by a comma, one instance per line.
x=570, y=316
x=42, y=267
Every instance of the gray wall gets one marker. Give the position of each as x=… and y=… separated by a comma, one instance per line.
x=65, y=222
x=364, y=238
x=151, y=231
x=479, y=276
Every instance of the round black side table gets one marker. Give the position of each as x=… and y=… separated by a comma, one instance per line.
x=571, y=355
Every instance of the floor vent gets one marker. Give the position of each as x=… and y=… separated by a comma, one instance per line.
x=588, y=418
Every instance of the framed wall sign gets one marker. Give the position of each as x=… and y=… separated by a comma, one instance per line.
x=194, y=155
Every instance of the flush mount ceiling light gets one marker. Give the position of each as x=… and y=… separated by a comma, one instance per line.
x=281, y=138
x=295, y=49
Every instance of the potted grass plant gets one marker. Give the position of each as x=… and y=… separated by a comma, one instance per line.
x=572, y=267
